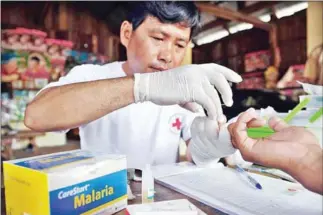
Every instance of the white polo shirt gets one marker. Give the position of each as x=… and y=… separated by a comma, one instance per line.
x=145, y=132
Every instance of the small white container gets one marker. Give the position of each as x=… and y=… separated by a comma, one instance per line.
x=147, y=184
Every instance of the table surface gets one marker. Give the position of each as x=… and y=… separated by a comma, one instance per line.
x=162, y=194
x=23, y=134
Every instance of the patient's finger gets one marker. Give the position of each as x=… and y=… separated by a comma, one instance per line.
x=254, y=123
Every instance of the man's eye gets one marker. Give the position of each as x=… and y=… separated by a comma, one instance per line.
x=158, y=38
x=180, y=46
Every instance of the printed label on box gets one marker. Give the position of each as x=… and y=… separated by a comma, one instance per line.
x=88, y=195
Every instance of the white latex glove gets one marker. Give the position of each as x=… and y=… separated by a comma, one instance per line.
x=209, y=142
x=185, y=84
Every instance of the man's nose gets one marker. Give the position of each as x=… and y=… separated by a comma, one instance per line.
x=166, y=54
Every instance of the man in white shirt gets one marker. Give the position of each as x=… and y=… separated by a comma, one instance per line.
x=156, y=36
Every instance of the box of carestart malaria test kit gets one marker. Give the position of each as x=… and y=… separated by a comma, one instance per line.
x=73, y=182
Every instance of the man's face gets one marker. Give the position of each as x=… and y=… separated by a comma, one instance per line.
x=155, y=46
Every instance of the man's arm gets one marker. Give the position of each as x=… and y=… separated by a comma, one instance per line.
x=79, y=99
x=69, y=106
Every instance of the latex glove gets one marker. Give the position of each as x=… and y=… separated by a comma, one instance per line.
x=209, y=141
x=190, y=83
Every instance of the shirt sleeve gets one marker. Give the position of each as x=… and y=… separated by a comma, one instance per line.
x=187, y=122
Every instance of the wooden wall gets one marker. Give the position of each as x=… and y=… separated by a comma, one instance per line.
x=230, y=50
x=63, y=20
x=18, y=14
x=292, y=40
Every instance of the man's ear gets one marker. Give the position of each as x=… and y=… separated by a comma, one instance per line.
x=125, y=33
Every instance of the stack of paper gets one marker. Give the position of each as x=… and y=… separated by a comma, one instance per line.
x=224, y=189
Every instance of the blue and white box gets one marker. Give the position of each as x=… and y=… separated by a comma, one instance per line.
x=73, y=182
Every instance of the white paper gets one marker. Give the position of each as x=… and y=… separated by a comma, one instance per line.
x=160, y=171
x=172, y=207
x=224, y=189
x=312, y=89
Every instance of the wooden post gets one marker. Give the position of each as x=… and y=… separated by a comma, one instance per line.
x=273, y=37
x=95, y=45
x=314, y=36
x=62, y=16
x=314, y=19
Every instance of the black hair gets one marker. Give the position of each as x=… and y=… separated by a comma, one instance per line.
x=166, y=12
x=35, y=58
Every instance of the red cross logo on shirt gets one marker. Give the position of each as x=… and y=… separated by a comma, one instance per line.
x=177, y=124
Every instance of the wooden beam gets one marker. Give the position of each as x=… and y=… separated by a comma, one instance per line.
x=251, y=9
x=258, y=6
x=232, y=15
x=213, y=24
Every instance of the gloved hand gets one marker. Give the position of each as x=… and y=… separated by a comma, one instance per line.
x=209, y=141
x=185, y=84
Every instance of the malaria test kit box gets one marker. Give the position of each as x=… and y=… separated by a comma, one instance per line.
x=73, y=182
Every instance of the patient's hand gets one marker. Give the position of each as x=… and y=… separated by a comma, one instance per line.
x=292, y=149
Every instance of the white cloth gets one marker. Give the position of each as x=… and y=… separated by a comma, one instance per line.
x=135, y=130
